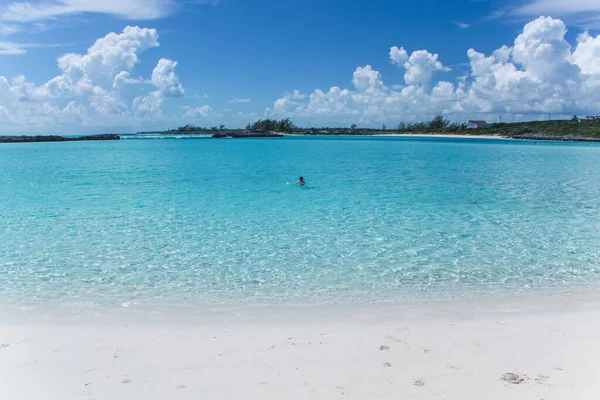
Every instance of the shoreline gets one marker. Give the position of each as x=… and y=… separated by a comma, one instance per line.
x=56, y=312
x=441, y=135
x=419, y=351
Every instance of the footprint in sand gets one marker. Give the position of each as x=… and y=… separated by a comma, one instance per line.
x=419, y=382
x=395, y=339
x=541, y=379
x=384, y=348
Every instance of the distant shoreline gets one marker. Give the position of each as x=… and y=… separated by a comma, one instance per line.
x=55, y=138
x=246, y=134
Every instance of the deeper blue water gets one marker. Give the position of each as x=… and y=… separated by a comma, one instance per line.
x=220, y=222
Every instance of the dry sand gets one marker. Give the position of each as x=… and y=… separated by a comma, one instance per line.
x=458, y=350
x=442, y=135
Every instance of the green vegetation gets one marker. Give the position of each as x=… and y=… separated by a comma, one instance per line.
x=568, y=129
x=191, y=129
x=272, y=125
x=573, y=127
x=437, y=125
x=587, y=128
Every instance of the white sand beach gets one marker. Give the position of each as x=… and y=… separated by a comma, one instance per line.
x=457, y=350
x=441, y=135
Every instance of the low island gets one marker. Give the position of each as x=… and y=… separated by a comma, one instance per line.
x=576, y=129
x=54, y=138
x=573, y=130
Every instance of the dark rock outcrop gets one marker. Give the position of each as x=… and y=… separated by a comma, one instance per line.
x=54, y=138
x=257, y=133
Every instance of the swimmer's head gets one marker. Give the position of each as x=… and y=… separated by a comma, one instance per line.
x=301, y=179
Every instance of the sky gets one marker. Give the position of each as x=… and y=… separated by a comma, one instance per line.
x=85, y=66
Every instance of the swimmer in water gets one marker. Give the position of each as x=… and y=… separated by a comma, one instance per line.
x=301, y=181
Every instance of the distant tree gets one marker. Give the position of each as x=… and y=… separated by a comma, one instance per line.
x=575, y=119
x=221, y=127
x=438, y=122
x=214, y=128
x=284, y=125
x=383, y=127
x=401, y=127
x=353, y=126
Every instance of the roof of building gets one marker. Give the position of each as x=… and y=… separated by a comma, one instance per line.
x=478, y=123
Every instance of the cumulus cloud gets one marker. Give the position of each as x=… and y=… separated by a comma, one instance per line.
x=91, y=88
x=539, y=73
x=124, y=78
x=112, y=53
x=167, y=84
x=205, y=111
x=165, y=79
x=420, y=66
x=587, y=54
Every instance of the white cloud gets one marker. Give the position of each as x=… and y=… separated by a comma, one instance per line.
x=90, y=89
x=587, y=54
x=559, y=7
x=205, y=111
x=538, y=74
x=585, y=13
x=8, y=48
x=124, y=78
x=11, y=48
x=112, y=53
x=42, y=10
x=8, y=29
x=462, y=25
x=238, y=100
x=167, y=84
x=420, y=66
x=165, y=79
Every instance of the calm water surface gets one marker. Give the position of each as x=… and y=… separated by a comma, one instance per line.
x=220, y=222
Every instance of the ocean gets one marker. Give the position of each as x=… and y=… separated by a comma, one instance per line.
x=220, y=223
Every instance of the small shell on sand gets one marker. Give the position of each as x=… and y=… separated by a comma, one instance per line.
x=419, y=382
x=512, y=378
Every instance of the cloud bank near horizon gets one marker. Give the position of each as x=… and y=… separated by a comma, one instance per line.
x=539, y=73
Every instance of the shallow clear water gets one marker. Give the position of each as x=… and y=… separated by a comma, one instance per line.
x=206, y=222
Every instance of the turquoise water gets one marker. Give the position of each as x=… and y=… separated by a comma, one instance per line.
x=220, y=222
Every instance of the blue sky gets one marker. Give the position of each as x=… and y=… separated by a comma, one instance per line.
x=233, y=61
